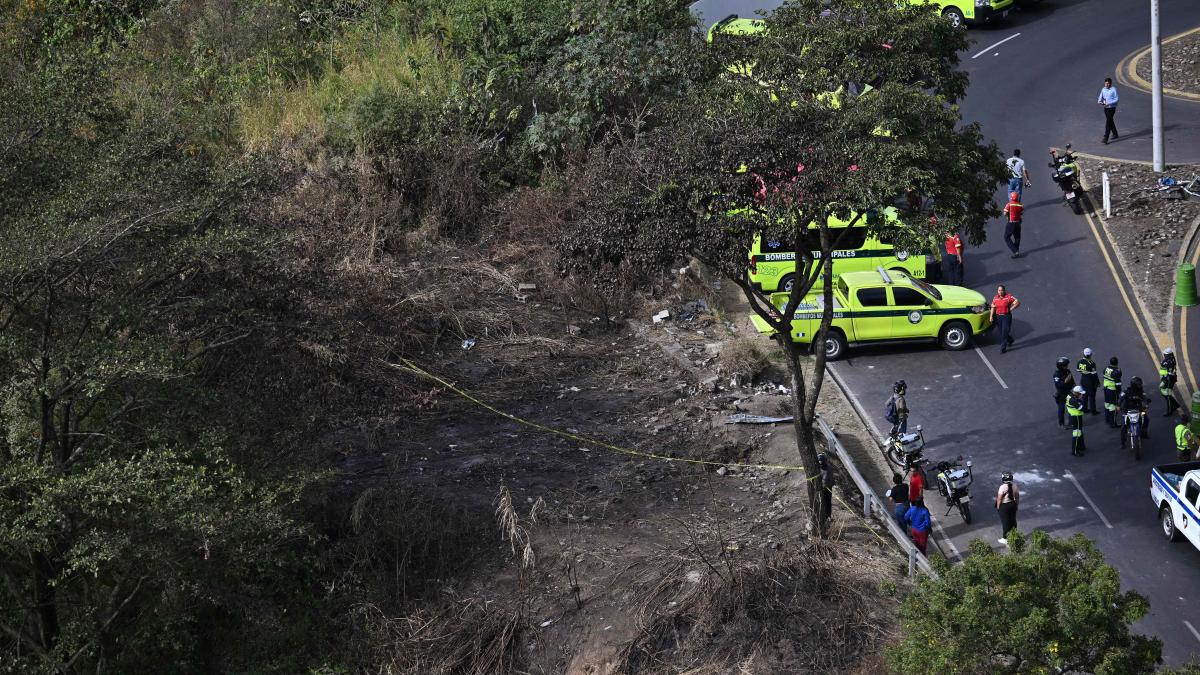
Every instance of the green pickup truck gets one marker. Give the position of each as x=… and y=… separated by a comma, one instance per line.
x=885, y=306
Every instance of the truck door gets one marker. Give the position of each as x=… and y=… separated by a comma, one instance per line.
x=911, y=318
x=872, y=315
x=1185, y=521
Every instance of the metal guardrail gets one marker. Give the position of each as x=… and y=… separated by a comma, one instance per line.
x=873, y=506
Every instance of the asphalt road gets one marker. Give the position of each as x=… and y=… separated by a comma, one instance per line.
x=1036, y=90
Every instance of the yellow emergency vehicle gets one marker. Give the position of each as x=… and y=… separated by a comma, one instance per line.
x=772, y=263
x=883, y=306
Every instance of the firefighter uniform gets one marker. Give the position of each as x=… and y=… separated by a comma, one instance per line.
x=1089, y=379
x=1075, y=412
x=1185, y=441
x=1112, y=392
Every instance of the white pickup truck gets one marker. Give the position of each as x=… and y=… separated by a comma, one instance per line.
x=1175, y=489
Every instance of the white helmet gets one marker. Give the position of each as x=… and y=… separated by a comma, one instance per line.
x=1087, y=351
x=1168, y=350
x=1078, y=389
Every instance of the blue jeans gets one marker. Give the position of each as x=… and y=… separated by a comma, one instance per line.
x=898, y=512
x=1016, y=185
x=1004, y=323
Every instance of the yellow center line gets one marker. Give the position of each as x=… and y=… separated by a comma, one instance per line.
x=1127, y=71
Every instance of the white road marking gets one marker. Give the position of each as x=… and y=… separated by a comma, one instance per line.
x=1095, y=508
x=991, y=47
x=991, y=367
x=1191, y=628
x=949, y=541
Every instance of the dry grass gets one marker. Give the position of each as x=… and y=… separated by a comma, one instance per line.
x=811, y=609
x=471, y=637
x=744, y=356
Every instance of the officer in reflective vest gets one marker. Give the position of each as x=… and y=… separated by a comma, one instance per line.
x=1185, y=441
x=1075, y=411
x=1089, y=379
x=1166, y=381
x=1112, y=391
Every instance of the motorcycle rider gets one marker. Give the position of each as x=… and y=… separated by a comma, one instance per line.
x=1063, y=382
x=1167, y=378
x=1089, y=379
x=1075, y=411
x=900, y=421
x=1112, y=392
x=1134, y=399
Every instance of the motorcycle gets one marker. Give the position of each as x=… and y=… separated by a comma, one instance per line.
x=905, y=450
x=1132, y=432
x=1066, y=176
x=953, y=480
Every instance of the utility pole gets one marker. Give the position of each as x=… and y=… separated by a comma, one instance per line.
x=1156, y=86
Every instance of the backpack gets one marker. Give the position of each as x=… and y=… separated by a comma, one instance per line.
x=889, y=411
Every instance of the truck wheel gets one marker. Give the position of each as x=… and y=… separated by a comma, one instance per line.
x=835, y=345
x=955, y=336
x=1168, y=524
x=955, y=16
x=786, y=284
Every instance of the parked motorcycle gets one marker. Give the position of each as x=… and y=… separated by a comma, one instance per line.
x=905, y=450
x=953, y=480
x=1066, y=176
x=1132, y=431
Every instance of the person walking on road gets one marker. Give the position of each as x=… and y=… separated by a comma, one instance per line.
x=1089, y=379
x=916, y=483
x=1002, y=308
x=1007, y=499
x=1075, y=412
x=1112, y=392
x=1063, y=383
x=1185, y=440
x=918, y=520
x=954, y=260
x=899, y=496
x=1018, y=175
x=1167, y=377
x=1012, y=230
x=1108, y=98
x=896, y=410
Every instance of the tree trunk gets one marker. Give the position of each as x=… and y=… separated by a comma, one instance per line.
x=806, y=446
x=45, y=602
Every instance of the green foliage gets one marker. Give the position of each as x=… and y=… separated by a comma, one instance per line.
x=1049, y=605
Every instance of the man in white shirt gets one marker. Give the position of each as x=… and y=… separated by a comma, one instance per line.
x=1018, y=177
x=1108, y=98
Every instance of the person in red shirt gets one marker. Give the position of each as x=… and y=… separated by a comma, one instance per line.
x=1001, y=313
x=1012, y=231
x=954, y=260
x=916, y=483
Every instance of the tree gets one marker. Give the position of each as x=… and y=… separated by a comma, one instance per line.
x=1048, y=605
x=779, y=142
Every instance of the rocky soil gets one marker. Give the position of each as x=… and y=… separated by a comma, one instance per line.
x=1147, y=228
x=1180, y=63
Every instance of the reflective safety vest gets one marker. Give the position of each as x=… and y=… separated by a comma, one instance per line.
x=1075, y=406
x=1183, y=437
x=1166, y=379
x=1112, y=377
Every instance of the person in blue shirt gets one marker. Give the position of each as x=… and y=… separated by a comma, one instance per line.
x=1108, y=98
x=919, y=523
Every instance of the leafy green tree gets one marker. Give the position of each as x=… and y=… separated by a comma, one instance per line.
x=780, y=141
x=1047, y=606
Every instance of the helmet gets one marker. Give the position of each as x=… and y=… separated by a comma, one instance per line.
x=1014, y=196
x=1087, y=351
x=1062, y=362
x=1006, y=477
x=1168, y=351
x=1112, y=361
x=1077, y=390
x=899, y=386
x=1136, y=382
x=821, y=458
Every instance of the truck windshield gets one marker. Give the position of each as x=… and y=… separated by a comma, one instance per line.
x=928, y=288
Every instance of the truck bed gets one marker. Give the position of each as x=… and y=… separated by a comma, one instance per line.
x=1173, y=473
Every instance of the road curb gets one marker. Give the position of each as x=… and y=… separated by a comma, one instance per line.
x=1126, y=71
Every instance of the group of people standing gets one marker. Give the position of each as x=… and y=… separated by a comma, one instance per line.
x=1072, y=401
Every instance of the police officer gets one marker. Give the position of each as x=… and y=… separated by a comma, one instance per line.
x=1089, y=379
x=1112, y=392
x=1063, y=381
x=1166, y=381
x=1075, y=411
x=1134, y=398
x=1185, y=441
